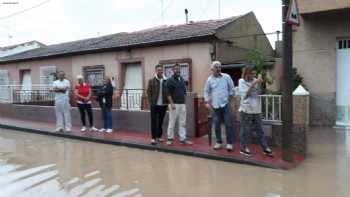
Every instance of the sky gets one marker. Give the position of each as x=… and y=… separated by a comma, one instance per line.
x=57, y=21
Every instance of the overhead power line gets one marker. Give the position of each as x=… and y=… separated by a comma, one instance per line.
x=24, y=10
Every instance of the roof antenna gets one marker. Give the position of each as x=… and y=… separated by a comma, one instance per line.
x=186, y=13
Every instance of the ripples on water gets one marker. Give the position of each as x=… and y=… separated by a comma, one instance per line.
x=16, y=180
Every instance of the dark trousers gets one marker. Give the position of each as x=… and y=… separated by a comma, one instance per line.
x=247, y=122
x=85, y=108
x=157, y=116
x=107, y=118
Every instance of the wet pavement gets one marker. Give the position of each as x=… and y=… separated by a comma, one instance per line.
x=36, y=165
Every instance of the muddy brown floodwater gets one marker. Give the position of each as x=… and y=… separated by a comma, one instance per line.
x=35, y=165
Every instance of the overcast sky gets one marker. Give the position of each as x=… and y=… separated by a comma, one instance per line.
x=57, y=21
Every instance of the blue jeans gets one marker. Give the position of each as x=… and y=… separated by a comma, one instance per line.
x=107, y=118
x=223, y=114
x=248, y=120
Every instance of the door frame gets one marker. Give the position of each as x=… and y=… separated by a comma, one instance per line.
x=123, y=64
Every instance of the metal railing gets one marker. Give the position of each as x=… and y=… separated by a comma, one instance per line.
x=271, y=107
x=25, y=94
x=131, y=99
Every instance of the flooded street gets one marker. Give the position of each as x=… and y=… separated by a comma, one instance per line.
x=36, y=165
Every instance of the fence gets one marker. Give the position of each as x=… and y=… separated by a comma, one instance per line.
x=131, y=99
x=271, y=107
x=25, y=94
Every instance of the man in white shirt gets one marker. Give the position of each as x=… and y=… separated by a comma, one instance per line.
x=61, y=88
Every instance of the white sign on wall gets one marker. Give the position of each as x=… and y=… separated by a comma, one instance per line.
x=293, y=16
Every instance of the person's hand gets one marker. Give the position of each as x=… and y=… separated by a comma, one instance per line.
x=208, y=105
x=173, y=107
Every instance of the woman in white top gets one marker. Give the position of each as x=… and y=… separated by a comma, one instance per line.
x=250, y=110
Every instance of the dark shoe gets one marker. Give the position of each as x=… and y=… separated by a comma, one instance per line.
x=186, y=142
x=245, y=151
x=267, y=151
x=153, y=142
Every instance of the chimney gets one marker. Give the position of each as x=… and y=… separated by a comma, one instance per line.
x=186, y=13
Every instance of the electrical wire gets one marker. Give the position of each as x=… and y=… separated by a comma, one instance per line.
x=24, y=10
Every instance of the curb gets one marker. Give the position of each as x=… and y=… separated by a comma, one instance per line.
x=143, y=146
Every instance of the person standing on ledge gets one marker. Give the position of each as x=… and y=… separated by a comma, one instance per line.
x=105, y=99
x=218, y=92
x=61, y=88
x=158, y=102
x=250, y=110
x=176, y=93
x=83, y=97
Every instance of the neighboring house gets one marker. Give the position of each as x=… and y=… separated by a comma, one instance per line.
x=19, y=48
x=130, y=57
x=322, y=56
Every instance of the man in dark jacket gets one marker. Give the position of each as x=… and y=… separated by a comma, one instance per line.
x=158, y=103
x=176, y=93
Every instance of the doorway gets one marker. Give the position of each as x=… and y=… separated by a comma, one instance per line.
x=343, y=83
x=133, y=87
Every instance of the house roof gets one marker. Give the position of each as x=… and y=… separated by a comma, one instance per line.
x=193, y=31
x=5, y=48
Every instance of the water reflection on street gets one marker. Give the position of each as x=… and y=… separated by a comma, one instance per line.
x=34, y=165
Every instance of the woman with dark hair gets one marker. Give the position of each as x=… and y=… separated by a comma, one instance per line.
x=250, y=110
x=104, y=97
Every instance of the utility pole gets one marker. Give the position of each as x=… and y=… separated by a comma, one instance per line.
x=287, y=97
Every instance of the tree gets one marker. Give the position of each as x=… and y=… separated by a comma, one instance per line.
x=255, y=58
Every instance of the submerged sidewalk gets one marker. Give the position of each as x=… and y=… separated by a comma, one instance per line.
x=200, y=147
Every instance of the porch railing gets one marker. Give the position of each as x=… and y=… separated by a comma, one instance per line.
x=271, y=107
x=131, y=99
x=25, y=94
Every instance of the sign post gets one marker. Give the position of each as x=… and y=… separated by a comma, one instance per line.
x=290, y=17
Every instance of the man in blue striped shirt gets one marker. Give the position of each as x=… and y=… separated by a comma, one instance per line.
x=218, y=92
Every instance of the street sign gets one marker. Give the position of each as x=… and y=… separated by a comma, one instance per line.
x=293, y=16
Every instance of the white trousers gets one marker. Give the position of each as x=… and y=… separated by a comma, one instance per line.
x=179, y=114
x=63, y=118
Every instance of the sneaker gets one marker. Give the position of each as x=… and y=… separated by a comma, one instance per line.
x=160, y=140
x=102, y=130
x=59, y=130
x=153, y=142
x=83, y=129
x=267, y=151
x=245, y=151
x=169, y=142
x=93, y=129
x=109, y=130
x=217, y=146
x=68, y=130
x=186, y=142
x=229, y=147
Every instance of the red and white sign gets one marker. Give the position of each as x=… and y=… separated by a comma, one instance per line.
x=293, y=16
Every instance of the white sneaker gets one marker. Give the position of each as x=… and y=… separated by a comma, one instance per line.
x=93, y=129
x=59, y=130
x=217, y=146
x=229, y=147
x=83, y=129
x=68, y=130
x=102, y=130
x=109, y=130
